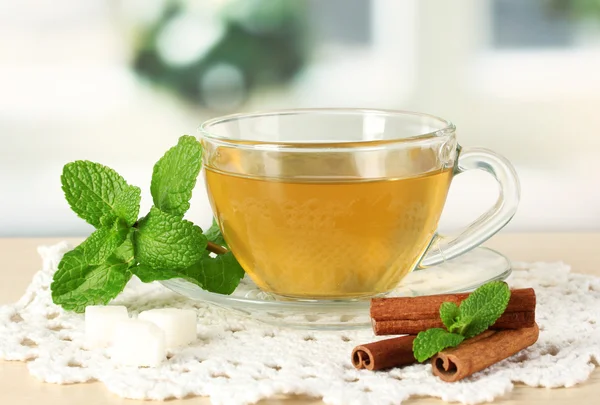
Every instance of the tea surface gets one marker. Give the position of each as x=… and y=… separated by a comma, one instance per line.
x=328, y=239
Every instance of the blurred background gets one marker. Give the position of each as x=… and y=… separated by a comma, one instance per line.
x=119, y=81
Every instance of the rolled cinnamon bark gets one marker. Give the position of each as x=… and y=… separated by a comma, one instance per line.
x=514, y=320
x=411, y=315
x=482, y=351
x=384, y=354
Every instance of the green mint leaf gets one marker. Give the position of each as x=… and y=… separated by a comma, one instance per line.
x=482, y=308
x=214, y=235
x=125, y=252
x=147, y=274
x=449, y=313
x=127, y=204
x=220, y=274
x=165, y=241
x=432, y=341
x=94, y=272
x=174, y=176
x=461, y=325
x=98, y=194
x=77, y=284
x=102, y=243
x=99, y=246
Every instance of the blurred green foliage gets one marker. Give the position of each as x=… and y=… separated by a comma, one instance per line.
x=581, y=9
x=264, y=41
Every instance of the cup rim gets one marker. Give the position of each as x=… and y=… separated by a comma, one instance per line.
x=447, y=128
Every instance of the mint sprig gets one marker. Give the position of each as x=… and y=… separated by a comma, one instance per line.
x=158, y=246
x=475, y=314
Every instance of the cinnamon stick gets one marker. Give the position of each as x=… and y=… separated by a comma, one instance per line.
x=514, y=320
x=482, y=351
x=411, y=315
x=384, y=354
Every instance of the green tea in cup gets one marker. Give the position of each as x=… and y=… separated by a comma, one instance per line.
x=341, y=204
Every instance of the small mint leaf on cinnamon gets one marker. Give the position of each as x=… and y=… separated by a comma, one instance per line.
x=432, y=341
x=476, y=313
x=449, y=313
x=483, y=307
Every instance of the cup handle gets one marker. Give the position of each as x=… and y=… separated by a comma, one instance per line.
x=444, y=248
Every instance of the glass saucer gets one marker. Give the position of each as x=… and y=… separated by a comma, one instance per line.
x=463, y=273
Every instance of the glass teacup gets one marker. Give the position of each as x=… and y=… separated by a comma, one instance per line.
x=342, y=203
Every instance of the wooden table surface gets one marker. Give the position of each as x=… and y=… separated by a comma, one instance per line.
x=20, y=261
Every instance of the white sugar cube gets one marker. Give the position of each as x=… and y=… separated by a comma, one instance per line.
x=138, y=343
x=179, y=325
x=100, y=321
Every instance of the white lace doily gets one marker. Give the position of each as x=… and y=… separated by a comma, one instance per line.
x=238, y=361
